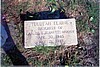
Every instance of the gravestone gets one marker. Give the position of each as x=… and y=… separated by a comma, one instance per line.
x=52, y=32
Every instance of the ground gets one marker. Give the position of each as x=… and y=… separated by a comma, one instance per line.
x=86, y=13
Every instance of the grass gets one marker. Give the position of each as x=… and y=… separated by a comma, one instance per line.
x=92, y=10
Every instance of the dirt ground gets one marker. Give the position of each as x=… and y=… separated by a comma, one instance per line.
x=86, y=53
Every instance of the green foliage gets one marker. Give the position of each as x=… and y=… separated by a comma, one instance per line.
x=54, y=5
x=44, y=49
x=93, y=11
x=6, y=61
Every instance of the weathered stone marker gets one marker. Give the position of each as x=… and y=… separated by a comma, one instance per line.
x=50, y=32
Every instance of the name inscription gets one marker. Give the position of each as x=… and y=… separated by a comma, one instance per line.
x=50, y=32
